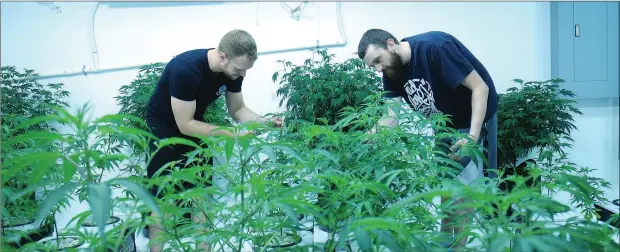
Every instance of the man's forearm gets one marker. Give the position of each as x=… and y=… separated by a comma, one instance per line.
x=195, y=127
x=244, y=115
x=479, y=107
x=388, y=121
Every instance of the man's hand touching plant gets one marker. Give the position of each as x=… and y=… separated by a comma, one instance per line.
x=459, y=144
x=272, y=121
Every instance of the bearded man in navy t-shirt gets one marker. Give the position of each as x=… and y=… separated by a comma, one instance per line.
x=436, y=74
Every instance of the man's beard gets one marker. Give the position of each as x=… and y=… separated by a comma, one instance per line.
x=396, y=70
x=232, y=77
x=228, y=76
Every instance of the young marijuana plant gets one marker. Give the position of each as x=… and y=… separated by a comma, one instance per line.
x=373, y=177
x=403, y=218
x=538, y=230
x=80, y=160
x=134, y=98
x=322, y=92
x=24, y=97
x=260, y=205
x=318, y=90
x=384, y=185
x=536, y=115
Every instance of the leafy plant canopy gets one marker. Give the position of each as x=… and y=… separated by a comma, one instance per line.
x=369, y=192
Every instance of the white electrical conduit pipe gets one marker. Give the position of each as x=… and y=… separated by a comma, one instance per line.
x=96, y=70
x=93, y=39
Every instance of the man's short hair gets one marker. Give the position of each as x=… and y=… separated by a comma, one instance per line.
x=376, y=37
x=237, y=43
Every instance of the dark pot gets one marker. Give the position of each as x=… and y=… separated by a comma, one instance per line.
x=18, y=240
x=73, y=242
x=521, y=171
x=111, y=221
x=128, y=245
x=507, y=186
x=606, y=213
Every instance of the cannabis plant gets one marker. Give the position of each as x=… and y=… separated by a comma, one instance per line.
x=24, y=97
x=383, y=195
x=535, y=115
x=319, y=90
x=134, y=99
x=536, y=228
x=81, y=161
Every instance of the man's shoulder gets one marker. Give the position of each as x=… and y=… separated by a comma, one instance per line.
x=191, y=54
x=430, y=38
x=188, y=62
x=188, y=58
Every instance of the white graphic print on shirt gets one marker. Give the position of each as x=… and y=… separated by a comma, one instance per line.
x=421, y=97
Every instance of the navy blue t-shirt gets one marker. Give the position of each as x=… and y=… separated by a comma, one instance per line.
x=432, y=85
x=187, y=77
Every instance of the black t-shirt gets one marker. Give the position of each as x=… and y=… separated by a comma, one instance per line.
x=439, y=63
x=187, y=77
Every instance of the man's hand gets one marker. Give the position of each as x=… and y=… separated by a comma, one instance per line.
x=368, y=138
x=372, y=130
x=457, y=146
x=243, y=133
x=274, y=121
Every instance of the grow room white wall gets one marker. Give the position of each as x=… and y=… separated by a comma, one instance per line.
x=511, y=39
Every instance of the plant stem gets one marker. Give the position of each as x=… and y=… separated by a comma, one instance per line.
x=243, y=166
x=56, y=228
x=102, y=169
x=176, y=234
x=243, y=169
x=213, y=227
x=87, y=161
x=124, y=226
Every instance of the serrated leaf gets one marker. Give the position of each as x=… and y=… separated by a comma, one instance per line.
x=327, y=154
x=174, y=141
x=290, y=212
x=52, y=199
x=363, y=239
x=274, y=77
x=34, y=135
x=270, y=153
x=290, y=151
x=68, y=169
x=45, y=161
x=132, y=131
x=229, y=148
x=140, y=193
x=38, y=120
x=100, y=203
x=388, y=240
